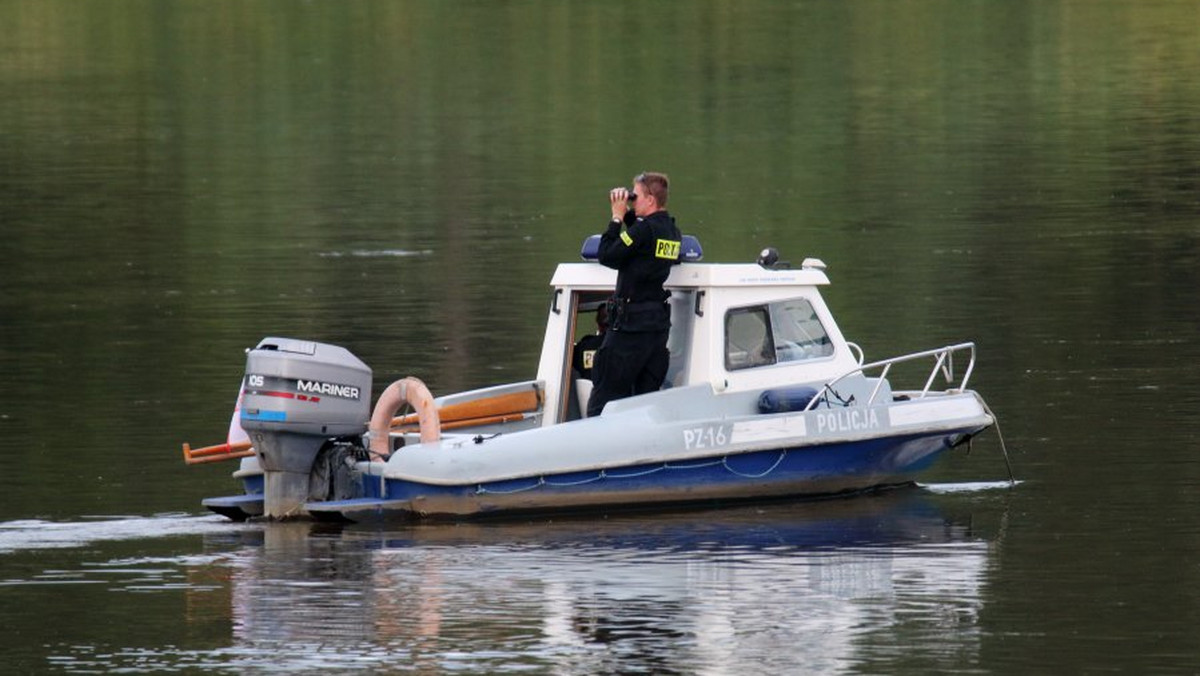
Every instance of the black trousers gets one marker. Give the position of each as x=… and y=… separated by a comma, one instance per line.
x=628, y=364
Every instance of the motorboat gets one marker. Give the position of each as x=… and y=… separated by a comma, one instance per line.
x=764, y=399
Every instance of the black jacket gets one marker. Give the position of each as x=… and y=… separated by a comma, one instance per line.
x=585, y=354
x=643, y=256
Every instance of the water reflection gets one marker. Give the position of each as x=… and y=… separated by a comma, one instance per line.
x=824, y=585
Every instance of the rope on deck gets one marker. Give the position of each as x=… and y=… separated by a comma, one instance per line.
x=481, y=489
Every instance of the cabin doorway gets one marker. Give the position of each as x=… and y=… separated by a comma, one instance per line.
x=587, y=329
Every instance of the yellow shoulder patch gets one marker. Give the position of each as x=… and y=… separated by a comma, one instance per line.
x=626, y=238
x=666, y=248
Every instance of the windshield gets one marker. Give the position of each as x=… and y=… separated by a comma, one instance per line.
x=783, y=331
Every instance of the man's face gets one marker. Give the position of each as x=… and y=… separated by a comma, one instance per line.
x=645, y=204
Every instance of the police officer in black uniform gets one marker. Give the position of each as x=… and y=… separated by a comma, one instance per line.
x=585, y=350
x=641, y=243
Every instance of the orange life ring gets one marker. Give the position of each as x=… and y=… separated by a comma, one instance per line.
x=410, y=391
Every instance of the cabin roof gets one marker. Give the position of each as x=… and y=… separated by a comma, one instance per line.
x=696, y=275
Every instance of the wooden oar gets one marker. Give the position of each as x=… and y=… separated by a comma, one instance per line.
x=469, y=422
x=499, y=405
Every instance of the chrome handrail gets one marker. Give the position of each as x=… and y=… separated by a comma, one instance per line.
x=859, y=355
x=943, y=362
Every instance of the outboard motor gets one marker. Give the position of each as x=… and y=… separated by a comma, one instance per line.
x=297, y=395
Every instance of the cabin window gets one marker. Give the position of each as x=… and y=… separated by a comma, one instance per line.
x=798, y=332
x=780, y=332
x=748, y=338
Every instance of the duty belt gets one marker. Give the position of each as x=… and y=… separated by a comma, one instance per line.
x=618, y=307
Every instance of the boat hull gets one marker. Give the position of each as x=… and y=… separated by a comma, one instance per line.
x=805, y=471
x=684, y=446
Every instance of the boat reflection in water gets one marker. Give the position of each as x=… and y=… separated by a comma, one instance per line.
x=774, y=586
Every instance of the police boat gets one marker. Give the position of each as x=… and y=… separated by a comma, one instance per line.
x=764, y=399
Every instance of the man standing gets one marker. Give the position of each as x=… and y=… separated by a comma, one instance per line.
x=642, y=244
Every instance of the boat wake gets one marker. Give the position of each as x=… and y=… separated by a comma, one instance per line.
x=968, y=487
x=32, y=534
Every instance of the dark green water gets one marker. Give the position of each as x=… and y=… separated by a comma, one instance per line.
x=181, y=178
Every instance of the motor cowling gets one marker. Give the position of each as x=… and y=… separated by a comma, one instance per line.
x=297, y=395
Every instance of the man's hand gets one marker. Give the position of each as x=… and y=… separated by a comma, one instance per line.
x=619, y=198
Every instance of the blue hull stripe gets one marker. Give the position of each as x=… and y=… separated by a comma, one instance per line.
x=803, y=470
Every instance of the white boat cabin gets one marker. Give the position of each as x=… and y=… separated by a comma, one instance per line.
x=736, y=327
